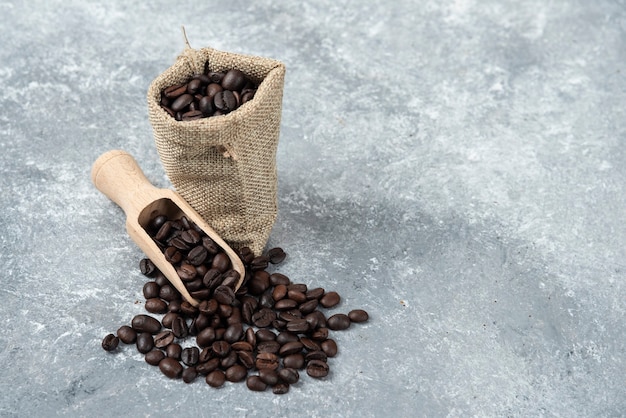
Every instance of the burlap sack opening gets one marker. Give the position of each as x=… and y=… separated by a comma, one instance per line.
x=225, y=166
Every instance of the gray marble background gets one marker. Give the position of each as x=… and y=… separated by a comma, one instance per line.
x=454, y=167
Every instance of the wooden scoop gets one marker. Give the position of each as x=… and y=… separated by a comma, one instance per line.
x=117, y=175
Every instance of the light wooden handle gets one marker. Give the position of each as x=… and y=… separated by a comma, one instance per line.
x=116, y=174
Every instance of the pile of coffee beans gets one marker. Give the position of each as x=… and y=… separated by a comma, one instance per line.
x=212, y=93
x=265, y=333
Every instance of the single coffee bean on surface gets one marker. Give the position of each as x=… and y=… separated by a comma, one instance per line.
x=358, y=315
x=255, y=383
x=171, y=368
x=126, y=334
x=145, y=323
x=330, y=299
x=280, y=388
x=317, y=369
x=145, y=342
x=154, y=357
x=338, y=322
x=189, y=374
x=110, y=342
x=216, y=378
x=329, y=347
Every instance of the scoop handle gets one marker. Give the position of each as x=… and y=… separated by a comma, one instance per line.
x=118, y=176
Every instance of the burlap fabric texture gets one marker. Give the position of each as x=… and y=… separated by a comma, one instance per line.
x=225, y=166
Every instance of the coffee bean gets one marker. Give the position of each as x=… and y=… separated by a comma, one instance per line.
x=316, y=355
x=288, y=375
x=279, y=278
x=171, y=368
x=155, y=305
x=280, y=388
x=255, y=383
x=338, y=322
x=169, y=293
x=175, y=91
x=144, y=342
x=174, y=350
x=286, y=337
x=309, y=344
x=289, y=348
x=263, y=318
x=163, y=339
x=126, y=334
x=234, y=80
x=276, y=255
x=330, y=299
x=225, y=295
x=298, y=325
x=268, y=347
x=189, y=374
x=320, y=334
x=208, y=366
x=279, y=292
x=189, y=356
x=268, y=376
x=154, y=357
x=265, y=335
x=110, y=342
x=298, y=287
x=179, y=327
x=220, y=348
x=267, y=361
x=317, y=369
x=295, y=361
x=216, y=378
x=308, y=306
x=145, y=323
x=151, y=290
x=315, y=293
x=233, y=333
x=329, y=347
x=246, y=358
x=236, y=373
x=206, y=337
x=147, y=267
x=285, y=304
x=358, y=315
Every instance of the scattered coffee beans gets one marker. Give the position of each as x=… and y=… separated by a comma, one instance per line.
x=209, y=94
x=270, y=324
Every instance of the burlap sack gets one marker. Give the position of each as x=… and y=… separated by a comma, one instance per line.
x=225, y=166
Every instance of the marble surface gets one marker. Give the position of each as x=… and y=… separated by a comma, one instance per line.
x=457, y=168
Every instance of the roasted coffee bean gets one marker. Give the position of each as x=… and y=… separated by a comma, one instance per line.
x=155, y=305
x=163, y=339
x=289, y=348
x=268, y=376
x=147, y=267
x=180, y=329
x=145, y=323
x=190, y=355
x=317, y=369
x=308, y=306
x=298, y=325
x=212, y=278
x=168, y=293
x=265, y=335
x=320, y=334
x=208, y=307
x=174, y=306
x=297, y=296
x=267, y=361
x=208, y=366
x=259, y=263
x=280, y=388
x=241, y=346
x=189, y=374
x=110, y=342
x=234, y=80
x=216, y=76
x=220, y=348
x=255, y=383
x=263, y=318
x=298, y=287
x=221, y=262
x=168, y=318
x=196, y=286
x=224, y=311
x=174, y=350
x=246, y=358
x=276, y=255
x=205, y=355
x=330, y=299
x=309, y=344
x=186, y=272
x=197, y=255
x=358, y=315
x=316, y=355
x=172, y=255
x=188, y=310
x=295, y=361
x=171, y=368
x=279, y=324
x=205, y=105
x=266, y=300
x=206, y=337
x=268, y=347
x=233, y=333
x=192, y=114
x=230, y=278
x=290, y=315
x=225, y=295
x=144, y=342
x=236, y=373
x=126, y=334
x=216, y=378
x=151, y=290
x=154, y=357
x=175, y=91
x=279, y=278
x=329, y=347
x=288, y=375
x=229, y=360
x=279, y=292
x=315, y=293
x=181, y=102
x=235, y=318
x=338, y=322
x=286, y=337
x=285, y=304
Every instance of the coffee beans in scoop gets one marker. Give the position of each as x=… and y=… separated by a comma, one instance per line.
x=266, y=334
x=209, y=94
